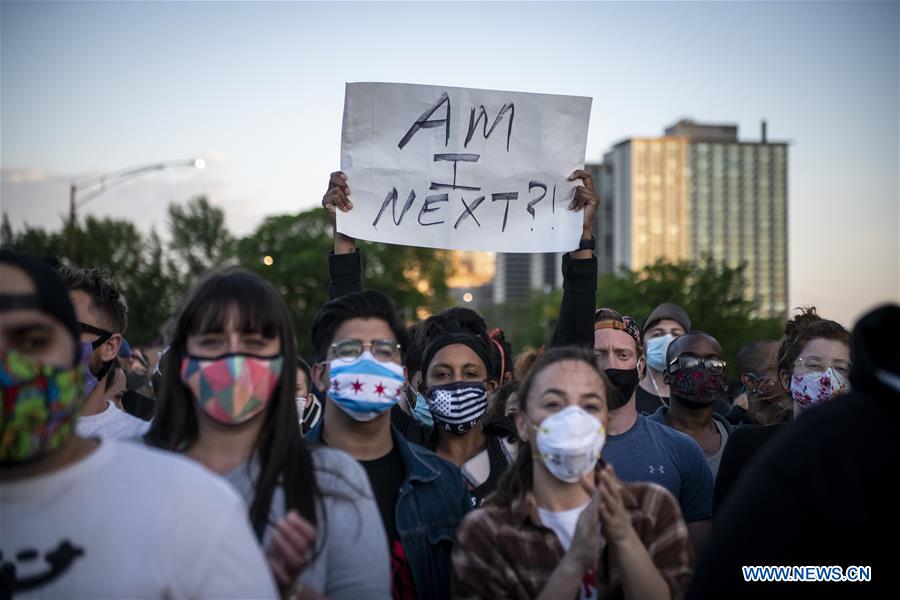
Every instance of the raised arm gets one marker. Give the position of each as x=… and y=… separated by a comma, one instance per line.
x=576, y=311
x=345, y=261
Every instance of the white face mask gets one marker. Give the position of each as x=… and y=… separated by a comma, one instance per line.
x=569, y=443
x=301, y=407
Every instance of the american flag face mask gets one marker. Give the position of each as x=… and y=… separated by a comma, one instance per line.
x=458, y=407
x=365, y=387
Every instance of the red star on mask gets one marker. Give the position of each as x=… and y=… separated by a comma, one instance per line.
x=357, y=386
x=336, y=386
x=379, y=389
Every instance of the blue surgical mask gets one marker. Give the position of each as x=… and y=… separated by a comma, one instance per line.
x=421, y=412
x=656, y=352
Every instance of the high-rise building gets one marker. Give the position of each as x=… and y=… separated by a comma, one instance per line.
x=520, y=274
x=698, y=191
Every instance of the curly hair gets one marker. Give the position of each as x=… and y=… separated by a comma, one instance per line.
x=804, y=328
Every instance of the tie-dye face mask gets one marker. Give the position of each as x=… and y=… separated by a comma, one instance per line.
x=234, y=388
x=38, y=406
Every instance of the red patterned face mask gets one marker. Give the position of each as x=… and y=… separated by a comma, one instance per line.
x=698, y=385
x=234, y=388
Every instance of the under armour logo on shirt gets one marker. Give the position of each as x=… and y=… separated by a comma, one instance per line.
x=661, y=469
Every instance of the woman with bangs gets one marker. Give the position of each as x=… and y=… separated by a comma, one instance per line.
x=227, y=400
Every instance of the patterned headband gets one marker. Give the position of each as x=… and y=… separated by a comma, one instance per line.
x=626, y=324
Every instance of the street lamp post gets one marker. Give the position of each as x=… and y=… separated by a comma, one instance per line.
x=94, y=186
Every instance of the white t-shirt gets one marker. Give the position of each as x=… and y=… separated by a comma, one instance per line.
x=129, y=522
x=111, y=424
x=563, y=525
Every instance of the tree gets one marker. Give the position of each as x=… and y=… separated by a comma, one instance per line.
x=298, y=245
x=528, y=322
x=711, y=293
x=136, y=264
x=200, y=239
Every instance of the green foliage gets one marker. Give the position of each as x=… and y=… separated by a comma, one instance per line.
x=154, y=277
x=298, y=245
x=711, y=293
x=199, y=238
x=527, y=322
x=137, y=264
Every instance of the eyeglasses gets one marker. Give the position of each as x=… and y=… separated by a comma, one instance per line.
x=104, y=334
x=87, y=328
x=763, y=385
x=713, y=365
x=382, y=350
x=814, y=364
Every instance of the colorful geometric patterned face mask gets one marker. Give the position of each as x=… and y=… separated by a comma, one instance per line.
x=38, y=406
x=234, y=388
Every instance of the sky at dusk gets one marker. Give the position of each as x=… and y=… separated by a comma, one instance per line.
x=257, y=89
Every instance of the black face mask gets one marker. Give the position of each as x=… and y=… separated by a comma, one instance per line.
x=134, y=382
x=625, y=381
x=139, y=405
x=697, y=387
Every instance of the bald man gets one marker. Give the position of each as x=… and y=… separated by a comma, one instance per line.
x=695, y=374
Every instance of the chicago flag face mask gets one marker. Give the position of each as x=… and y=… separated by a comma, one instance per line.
x=365, y=387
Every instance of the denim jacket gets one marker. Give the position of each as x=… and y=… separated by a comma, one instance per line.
x=431, y=502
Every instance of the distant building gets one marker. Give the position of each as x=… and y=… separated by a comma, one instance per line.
x=698, y=191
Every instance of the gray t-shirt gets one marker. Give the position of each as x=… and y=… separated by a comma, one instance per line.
x=352, y=558
x=723, y=427
x=651, y=451
x=715, y=459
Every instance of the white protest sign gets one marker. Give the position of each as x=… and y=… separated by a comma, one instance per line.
x=465, y=169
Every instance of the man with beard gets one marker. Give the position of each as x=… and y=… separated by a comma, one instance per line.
x=695, y=374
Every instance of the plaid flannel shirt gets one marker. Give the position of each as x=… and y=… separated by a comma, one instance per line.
x=505, y=551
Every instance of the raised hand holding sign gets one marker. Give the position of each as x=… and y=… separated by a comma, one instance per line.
x=457, y=168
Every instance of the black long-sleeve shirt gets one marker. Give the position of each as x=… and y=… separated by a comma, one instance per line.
x=576, y=311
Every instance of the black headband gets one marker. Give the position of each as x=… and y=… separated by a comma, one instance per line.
x=14, y=301
x=51, y=295
x=448, y=339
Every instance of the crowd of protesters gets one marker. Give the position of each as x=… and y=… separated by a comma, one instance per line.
x=427, y=459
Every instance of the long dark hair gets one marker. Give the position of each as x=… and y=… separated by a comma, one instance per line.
x=282, y=455
x=519, y=477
